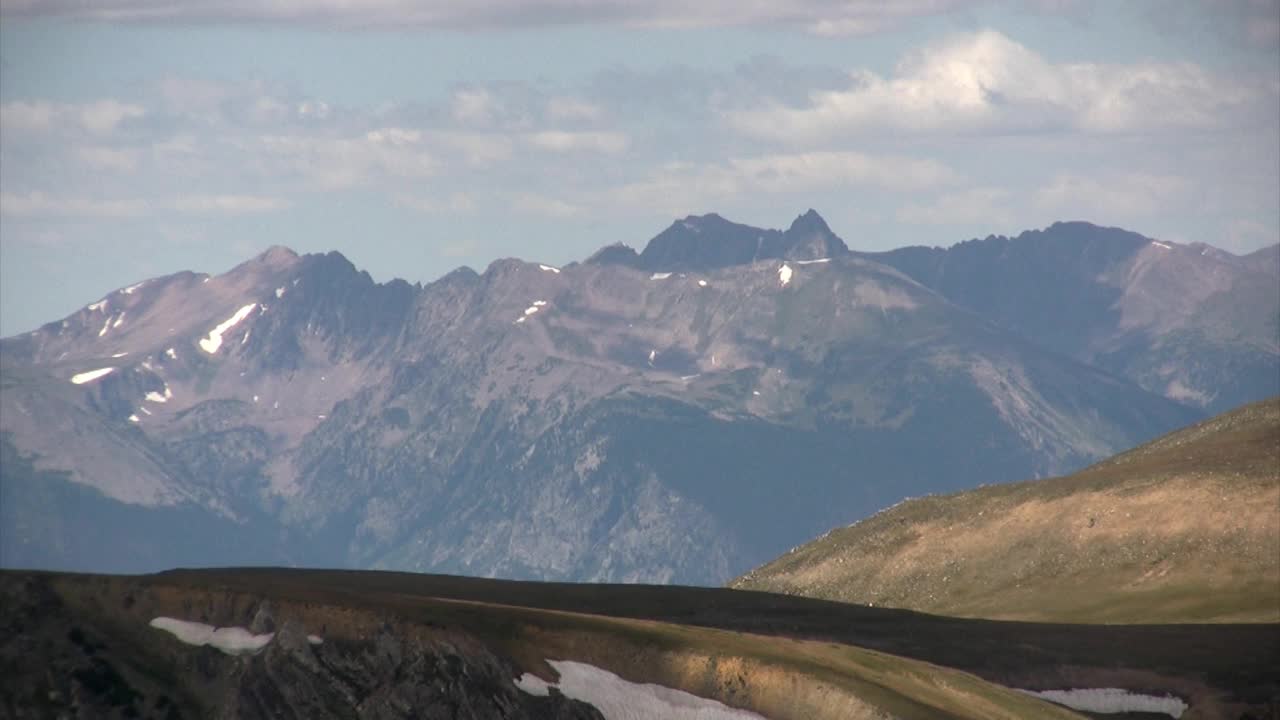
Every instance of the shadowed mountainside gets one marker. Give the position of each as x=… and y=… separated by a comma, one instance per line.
x=1191, y=322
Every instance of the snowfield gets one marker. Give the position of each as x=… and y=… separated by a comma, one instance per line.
x=619, y=699
x=230, y=640
x=84, y=377
x=1112, y=700
x=214, y=341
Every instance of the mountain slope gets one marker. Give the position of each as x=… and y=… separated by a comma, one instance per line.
x=1183, y=529
x=599, y=421
x=89, y=646
x=1191, y=322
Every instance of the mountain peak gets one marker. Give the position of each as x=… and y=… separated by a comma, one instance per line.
x=809, y=238
x=810, y=222
x=277, y=256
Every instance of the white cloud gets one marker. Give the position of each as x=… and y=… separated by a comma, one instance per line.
x=23, y=116
x=679, y=186
x=572, y=108
x=535, y=204
x=848, y=17
x=474, y=106
x=100, y=117
x=477, y=149
x=456, y=203
x=1111, y=197
x=609, y=143
x=121, y=160
x=973, y=206
x=343, y=162
x=394, y=136
x=987, y=82
x=37, y=204
x=228, y=204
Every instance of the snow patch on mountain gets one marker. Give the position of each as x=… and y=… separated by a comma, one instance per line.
x=660, y=276
x=549, y=269
x=784, y=274
x=100, y=305
x=230, y=640
x=214, y=341
x=1112, y=700
x=90, y=376
x=619, y=699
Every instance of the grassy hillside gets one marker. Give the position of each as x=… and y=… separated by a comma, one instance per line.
x=1183, y=529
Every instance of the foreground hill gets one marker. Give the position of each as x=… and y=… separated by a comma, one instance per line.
x=678, y=415
x=392, y=645
x=307, y=647
x=1183, y=529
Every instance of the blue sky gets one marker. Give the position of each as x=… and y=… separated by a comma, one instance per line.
x=141, y=137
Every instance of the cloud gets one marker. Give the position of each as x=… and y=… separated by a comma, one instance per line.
x=100, y=117
x=975, y=206
x=572, y=108
x=479, y=150
x=227, y=204
x=848, y=17
x=474, y=106
x=682, y=185
x=609, y=143
x=534, y=204
x=985, y=82
x=37, y=204
x=120, y=160
x=456, y=203
x=333, y=163
x=1111, y=197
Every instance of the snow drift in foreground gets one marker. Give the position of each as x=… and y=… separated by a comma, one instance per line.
x=230, y=640
x=1112, y=700
x=618, y=699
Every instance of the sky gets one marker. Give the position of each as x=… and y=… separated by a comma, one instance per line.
x=144, y=137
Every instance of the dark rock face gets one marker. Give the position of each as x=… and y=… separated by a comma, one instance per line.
x=58, y=662
x=675, y=416
x=710, y=242
x=1192, y=322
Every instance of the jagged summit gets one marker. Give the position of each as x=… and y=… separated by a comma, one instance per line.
x=615, y=254
x=809, y=222
x=277, y=255
x=709, y=242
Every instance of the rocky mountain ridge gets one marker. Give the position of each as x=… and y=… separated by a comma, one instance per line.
x=672, y=415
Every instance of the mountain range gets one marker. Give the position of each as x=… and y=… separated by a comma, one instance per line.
x=680, y=414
